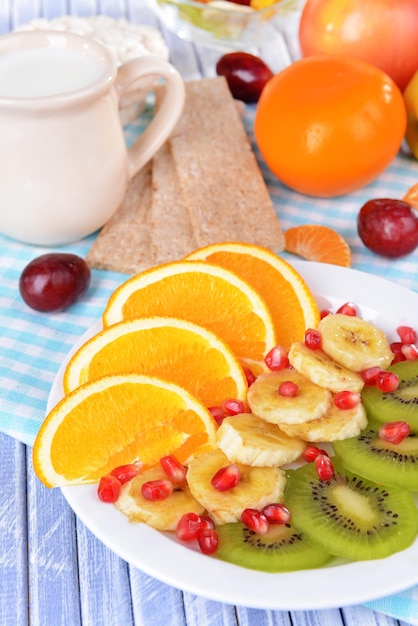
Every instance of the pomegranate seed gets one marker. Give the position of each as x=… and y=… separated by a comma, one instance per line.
x=233, y=407
x=288, y=389
x=157, y=489
x=276, y=513
x=226, y=478
x=313, y=339
x=109, y=488
x=188, y=527
x=394, y=432
x=175, y=471
x=348, y=308
x=324, y=467
x=396, y=347
x=207, y=522
x=324, y=313
x=407, y=334
x=410, y=351
x=311, y=452
x=387, y=381
x=255, y=520
x=208, y=541
x=345, y=400
x=369, y=376
x=250, y=376
x=125, y=473
x=277, y=359
x=217, y=414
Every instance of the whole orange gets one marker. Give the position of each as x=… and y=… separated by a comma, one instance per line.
x=327, y=126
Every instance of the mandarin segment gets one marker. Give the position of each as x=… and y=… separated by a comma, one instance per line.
x=99, y=426
x=174, y=349
x=287, y=295
x=205, y=294
x=316, y=242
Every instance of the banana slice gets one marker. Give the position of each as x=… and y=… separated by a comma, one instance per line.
x=354, y=342
x=310, y=402
x=258, y=487
x=336, y=424
x=250, y=440
x=322, y=370
x=160, y=514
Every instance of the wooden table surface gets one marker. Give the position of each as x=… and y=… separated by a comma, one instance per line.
x=53, y=571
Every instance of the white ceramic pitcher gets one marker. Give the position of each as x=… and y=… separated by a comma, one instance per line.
x=64, y=165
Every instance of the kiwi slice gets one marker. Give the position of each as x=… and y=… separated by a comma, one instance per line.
x=282, y=549
x=388, y=463
x=401, y=404
x=351, y=516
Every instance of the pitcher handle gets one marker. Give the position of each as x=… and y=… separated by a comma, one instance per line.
x=168, y=114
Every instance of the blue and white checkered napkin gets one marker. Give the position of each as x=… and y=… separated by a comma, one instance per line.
x=33, y=345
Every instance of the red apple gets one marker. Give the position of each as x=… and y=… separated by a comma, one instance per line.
x=382, y=32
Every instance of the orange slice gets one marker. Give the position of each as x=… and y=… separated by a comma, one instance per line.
x=411, y=196
x=116, y=420
x=288, y=297
x=202, y=293
x=174, y=349
x=318, y=243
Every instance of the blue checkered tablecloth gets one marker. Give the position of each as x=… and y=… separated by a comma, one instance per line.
x=33, y=345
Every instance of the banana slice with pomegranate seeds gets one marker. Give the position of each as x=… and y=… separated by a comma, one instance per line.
x=160, y=514
x=335, y=425
x=323, y=370
x=257, y=487
x=354, y=343
x=248, y=439
x=310, y=402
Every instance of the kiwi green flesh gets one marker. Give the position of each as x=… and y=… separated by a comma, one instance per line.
x=350, y=516
x=282, y=549
x=383, y=462
x=401, y=404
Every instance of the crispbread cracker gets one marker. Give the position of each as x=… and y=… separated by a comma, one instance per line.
x=218, y=171
x=124, y=243
x=171, y=227
x=203, y=186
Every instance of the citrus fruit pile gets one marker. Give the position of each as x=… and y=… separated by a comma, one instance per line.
x=177, y=340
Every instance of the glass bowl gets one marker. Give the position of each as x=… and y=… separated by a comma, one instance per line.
x=220, y=23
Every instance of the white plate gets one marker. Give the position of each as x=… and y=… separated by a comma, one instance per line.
x=159, y=555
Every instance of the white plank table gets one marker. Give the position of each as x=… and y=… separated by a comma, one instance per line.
x=53, y=571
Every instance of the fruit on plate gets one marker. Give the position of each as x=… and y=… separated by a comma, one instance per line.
x=354, y=342
x=245, y=73
x=394, y=464
x=337, y=424
x=411, y=101
x=316, y=242
x=322, y=370
x=401, y=402
x=116, y=420
x=250, y=440
x=174, y=349
x=328, y=125
x=205, y=294
x=310, y=402
x=257, y=487
x=350, y=516
x=54, y=281
x=161, y=514
x=288, y=297
x=382, y=32
x=388, y=227
x=282, y=549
